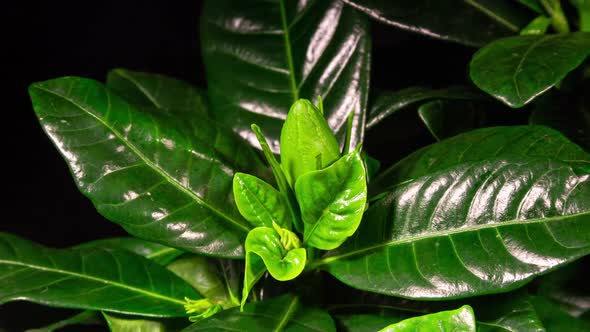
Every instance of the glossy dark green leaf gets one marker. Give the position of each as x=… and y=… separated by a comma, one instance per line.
x=568, y=288
x=365, y=322
x=445, y=118
x=332, y=201
x=89, y=278
x=261, y=56
x=307, y=142
x=203, y=275
x=556, y=320
x=515, y=70
x=511, y=312
x=165, y=93
x=150, y=250
x=388, y=103
x=145, y=171
x=460, y=320
x=479, y=145
x=260, y=203
x=283, y=313
x=476, y=228
x=124, y=323
x=265, y=251
x=473, y=23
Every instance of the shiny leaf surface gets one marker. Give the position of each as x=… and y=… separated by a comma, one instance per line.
x=259, y=202
x=445, y=118
x=150, y=250
x=332, y=201
x=264, y=251
x=110, y=280
x=473, y=23
x=165, y=93
x=479, y=145
x=515, y=70
x=262, y=56
x=511, y=312
x=476, y=228
x=144, y=171
x=388, y=103
x=460, y=320
x=283, y=313
x=307, y=142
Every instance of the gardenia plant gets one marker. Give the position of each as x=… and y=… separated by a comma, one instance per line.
x=252, y=209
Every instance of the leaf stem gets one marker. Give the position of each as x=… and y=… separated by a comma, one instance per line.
x=559, y=21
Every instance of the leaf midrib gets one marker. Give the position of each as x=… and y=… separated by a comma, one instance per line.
x=411, y=239
x=92, y=278
x=146, y=160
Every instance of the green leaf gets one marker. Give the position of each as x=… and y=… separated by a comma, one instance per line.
x=150, y=250
x=145, y=171
x=86, y=317
x=110, y=280
x=364, y=322
x=260, y=203
x=556, y=320
x=121, y=323
x=445, y=118
x=307, y=142
x=476, y=228
x=479, y=145
x=481, y=21
x=388, y=103
x=567, y=288
x=460, y=320
x=538, y=26
x=202, y=274
x=265, y=251
x=516, y=70
x=261, y=56
x=283, y=313
x=512, y=312
x=164, y=93
x=332, y=201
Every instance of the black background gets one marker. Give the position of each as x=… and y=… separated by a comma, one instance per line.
x=87, y=38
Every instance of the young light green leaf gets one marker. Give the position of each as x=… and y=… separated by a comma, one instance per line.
x=260, y=203
x=164, y=93
x=538, y=26
x=283, y=313
x=111, y=280
x=307, y=142
x=146, y=171
x=460, y=320
x=332, y=201
x=516, y=70
x=265, y=251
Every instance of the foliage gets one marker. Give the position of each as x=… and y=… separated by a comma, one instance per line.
x=254, y=205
